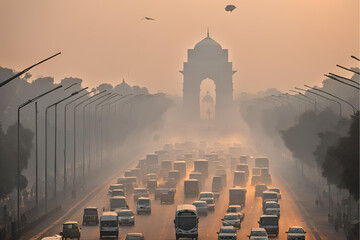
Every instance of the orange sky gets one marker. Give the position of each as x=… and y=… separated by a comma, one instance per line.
x=272, y=43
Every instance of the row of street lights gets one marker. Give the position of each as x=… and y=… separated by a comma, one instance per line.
x=85, y=101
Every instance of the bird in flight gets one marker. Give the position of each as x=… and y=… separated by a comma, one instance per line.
x=230, y=8
x=148, y=18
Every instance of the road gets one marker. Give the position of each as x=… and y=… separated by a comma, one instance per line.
x=159, y=225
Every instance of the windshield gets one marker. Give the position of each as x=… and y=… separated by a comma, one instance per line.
x=138, y=191
x=92, y=212
x=272, y=205
x=270, y=196
x=126, y=214
x=209, y=201
x=258, y=233
x=133, y=238
x=143, y=202
x=296, y=230
x=227, y=230
x=232, y=210
x=206, y=195
x=269, y=221
x=199, y=204
x=274, y=190
x=231, y=217
x=70, y=226
x=109, y=223
x=186, y=223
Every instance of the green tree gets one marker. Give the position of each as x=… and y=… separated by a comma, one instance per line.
x=341, y=165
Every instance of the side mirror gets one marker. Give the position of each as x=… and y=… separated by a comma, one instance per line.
x=222, y=219
x=103, y=209
x=174, y=221
x=217, y=232
x=258, y=222
x=304, y=232
x=286, y=232
x=61, y=233
x=80, y=227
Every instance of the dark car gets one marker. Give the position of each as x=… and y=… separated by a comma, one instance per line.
x=90, y=216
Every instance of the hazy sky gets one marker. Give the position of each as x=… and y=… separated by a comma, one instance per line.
x=272, y=43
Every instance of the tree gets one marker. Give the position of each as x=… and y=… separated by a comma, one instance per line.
x=8, y=158
x=341, y=165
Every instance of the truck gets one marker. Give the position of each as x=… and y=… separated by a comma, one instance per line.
x=181, y=167
x=191, y=188
x=216, y=186
x=167, y=197
x=202, y=165
x=239, y=178
x=237, y=196
x=152, y=159
x=262, y=162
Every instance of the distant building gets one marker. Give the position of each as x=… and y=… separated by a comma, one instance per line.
x=207, y=60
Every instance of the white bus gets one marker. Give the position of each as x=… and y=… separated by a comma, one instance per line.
x=186, y=222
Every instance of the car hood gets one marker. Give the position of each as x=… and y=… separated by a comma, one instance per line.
x=227, y=234
x=296, y=234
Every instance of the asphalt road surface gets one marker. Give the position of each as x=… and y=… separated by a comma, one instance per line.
x=159, y=225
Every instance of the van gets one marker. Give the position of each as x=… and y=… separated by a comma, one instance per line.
x=216, y=186
x=90, y=216
x=109, y=224
x=143, y=205
x=71, y=229
x=118, y=203
x=270, y=223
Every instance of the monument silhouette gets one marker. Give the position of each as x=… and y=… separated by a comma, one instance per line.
x=207, y=60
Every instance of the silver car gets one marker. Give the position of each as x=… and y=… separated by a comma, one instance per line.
x=227, y=232
x=231, y=219
x=126, y=217
x=295, y=233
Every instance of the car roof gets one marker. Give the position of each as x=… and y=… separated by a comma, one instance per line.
x=227, y=227
x=118, y=197
x=135, y=234
x=258, y=229
x=296, y=227
x=206, y=192
x=199, y=201
x=268, y=216
x=71, y=222
x=144, y=198
x=185, y=207
x=125, y=210
x=91, y=208
x=234, y=206
x=109, y=214
x=230, y=214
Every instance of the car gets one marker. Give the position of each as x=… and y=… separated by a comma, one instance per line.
x=168, y=197
x=143, y=205
x=236, y=209
x=115, y=186
x=231, y=219
x=134, y=236
x=109, y=224
x=126, y=217
x=227, y=232
x=295, y=233
x=259, y=189
x=206, y=195
x=271, y=204
x=201, y=207
x=160, y=191
x=277, y=190
x=71, y=229
x=90, y=216
x=210, y=202
x=258, y=233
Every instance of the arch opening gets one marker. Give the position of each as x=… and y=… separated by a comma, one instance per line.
x=207, y=99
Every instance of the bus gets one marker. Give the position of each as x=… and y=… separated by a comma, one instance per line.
x=186, y=222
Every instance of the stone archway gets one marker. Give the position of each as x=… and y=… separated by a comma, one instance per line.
x=207, y=60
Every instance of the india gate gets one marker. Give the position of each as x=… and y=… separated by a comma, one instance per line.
x=208, y=60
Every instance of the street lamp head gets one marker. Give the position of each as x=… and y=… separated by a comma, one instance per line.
x=70, y=86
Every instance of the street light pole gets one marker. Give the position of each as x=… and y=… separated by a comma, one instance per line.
x=350, y=70
x=46, y=142
x=350, y=80
x=322, y=97
x=27, y=69
x=65, y=167
x=316, y=89
x=331, y=77
x=18, y=149
x=74, y=167
x=84, y=107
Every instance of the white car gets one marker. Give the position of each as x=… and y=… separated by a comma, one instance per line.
x=227, y=232
x=210, y=202
x=236, y=209
x=231, y=219
x=56, y=237
x=258, y=233
x=126, y=217
x=295, y=233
